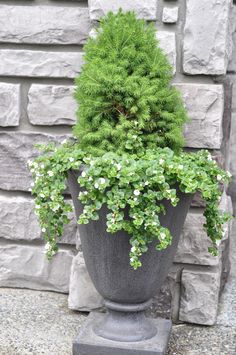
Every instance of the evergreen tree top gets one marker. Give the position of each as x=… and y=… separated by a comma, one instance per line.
x=126, y=101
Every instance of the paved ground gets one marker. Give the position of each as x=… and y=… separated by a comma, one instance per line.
x=33, y=322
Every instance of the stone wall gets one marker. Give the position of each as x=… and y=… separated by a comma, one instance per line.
x=232, y=77
x=41, y=51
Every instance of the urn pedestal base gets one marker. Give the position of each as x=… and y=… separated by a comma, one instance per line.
x=89, y=343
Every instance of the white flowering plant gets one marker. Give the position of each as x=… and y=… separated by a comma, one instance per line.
x=136, y=183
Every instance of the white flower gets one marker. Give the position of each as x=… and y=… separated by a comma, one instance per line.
x=32, y=184
x=135, y=198
x=29, y=162
x=50, y=173
x=47, y=246
x=118, y=166
x=83, y=174
x=162, y=235
x=64, y=141
x=136, y=192
x=96, y=185
x=209, y=157
x=146, y=183
x=90, y=178
x=42, y=195
x=131, y=259
x=218, y=241
x=71, y=159
x=161, y=161
x=42, y=166
x=43, y=230
x=102, y=181
x=32, y=170
x=229, y=174
x=134, y=136
x=37, y=207
x=219, y=177
x=133, y=249
x=180, y=167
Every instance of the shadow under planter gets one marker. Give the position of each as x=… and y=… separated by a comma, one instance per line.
x=124, y=329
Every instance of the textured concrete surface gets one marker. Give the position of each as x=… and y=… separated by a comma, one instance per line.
x=146, y=9
x=31, y=63
x=44, y=24
x=82, y=294
x=19, y=222
x=16, y=149
x=9, y=104
x=207, y=42
x=167, y=42
x=27, y=266
x=170, y=14
x=51, y=105
x=205, y=105
x=34, y=322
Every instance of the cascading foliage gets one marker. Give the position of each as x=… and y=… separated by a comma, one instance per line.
x=128, y=143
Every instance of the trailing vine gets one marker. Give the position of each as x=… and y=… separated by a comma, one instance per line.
x=126, y=181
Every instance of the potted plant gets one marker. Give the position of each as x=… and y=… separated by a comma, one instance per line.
x=130, y=179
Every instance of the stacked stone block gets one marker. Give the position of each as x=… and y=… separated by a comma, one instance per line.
x=41, y=51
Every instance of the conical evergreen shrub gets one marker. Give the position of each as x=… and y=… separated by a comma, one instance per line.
x=126, y=101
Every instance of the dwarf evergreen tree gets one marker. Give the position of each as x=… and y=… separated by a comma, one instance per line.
x=126, y=101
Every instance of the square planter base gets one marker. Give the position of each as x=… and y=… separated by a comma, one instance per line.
x=88, y=343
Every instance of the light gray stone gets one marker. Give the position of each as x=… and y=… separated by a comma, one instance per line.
x=232, y=63
x=17, y=219
x=170, y=14
x=146, y=9
x=9, y=104
x=82, y=294
x=166, y=303
x=35, y=63
x=205, y=106
x=232, y=187
x=44, y=24
x=199, y=297
x=167, y=43
x=26, y=266
x=207, y=43
x=194, y=242
x=51, y=105
x=19, y=222
x=16, y=148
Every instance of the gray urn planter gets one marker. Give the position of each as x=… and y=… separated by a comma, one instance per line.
x=127, y=292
